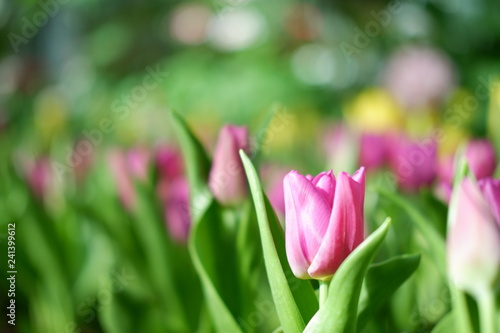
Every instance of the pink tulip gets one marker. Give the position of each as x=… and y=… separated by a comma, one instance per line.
x=473, y=244
x=177, y=212
x=341, y=147
x=480, y=155
x=227, y=179
x=39, y=176
x=169, y=162
x=323, y=221
x=373, y=151
x=413, y=163
x=491, y=191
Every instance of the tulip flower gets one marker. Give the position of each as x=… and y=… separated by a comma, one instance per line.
x=38, y=176
x=227, y=179
x=177, y=212
x=413, y=163
x=473, y=243
x=491, y=191
x=323, y=221
x=480, y=155
x=341, y=147
x=373, y=151
x=173, y=191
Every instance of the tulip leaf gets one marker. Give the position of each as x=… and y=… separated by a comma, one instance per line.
x=435, y=246
x=381, y=281
x=209, y=254
x=197, y=166
x=446, y=324
x=339, y=313
x=287, y=291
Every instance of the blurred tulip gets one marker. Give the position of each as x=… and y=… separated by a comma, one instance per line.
x=324, y=221
x=373, y=151
x=445, y=174
x=177, y=211
x=227, y=179
x=491, y=191
x=341, y=148
x=39, y=176
x=173, y=191
x=480, y=155
x=125, y=167
x=414, y=163
x=473, y=244
x=419, y=77
x=169, y=162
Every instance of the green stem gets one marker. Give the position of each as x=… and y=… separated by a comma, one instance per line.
x=486, y=303
x=461, y=311
x=323, y=292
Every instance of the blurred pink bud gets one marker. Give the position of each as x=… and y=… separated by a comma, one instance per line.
x=177, y=211
x=373, y=151
x=323, y=222
x=414, y=163
x=473, y=244
x=125, y=167
x=445, y=175
x=227, y=179
x=419, y=77
x=39, y=176
x=169, y=162
x=480, y=155
x=138, y=162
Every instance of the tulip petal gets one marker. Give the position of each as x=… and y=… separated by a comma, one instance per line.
x=491, y=191
x=325, y=183
x=227, y=179
x=306, y=221
x=343, y=231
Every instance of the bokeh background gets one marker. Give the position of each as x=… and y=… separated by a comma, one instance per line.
x=109, y=73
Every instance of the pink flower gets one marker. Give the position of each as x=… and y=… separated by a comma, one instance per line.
x=39, y=176
x=373, y=151
x=169, y=162
x=419, y=77
x=481, y=158
x=177, y=211
x=473, y=244
x=323, y=221
x=227, y=179
x=414, y=163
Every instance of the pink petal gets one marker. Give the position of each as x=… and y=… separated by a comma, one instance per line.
x=306, y=221
x=325, y=183
x=345, y=227
x=491, y=191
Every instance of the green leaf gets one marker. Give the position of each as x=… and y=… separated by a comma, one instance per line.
x=446, y=324
x=197, y=166
x=339, y=313
x=287, y=291
x=435, y=245
x=207, y=250
x=381, y=281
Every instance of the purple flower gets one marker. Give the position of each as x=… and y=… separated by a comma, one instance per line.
x=480, y=155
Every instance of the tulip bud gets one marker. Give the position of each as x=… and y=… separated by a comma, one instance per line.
x=414, y=163
x=473, y=244
x=323, y=221
x=480, y=155
x=227, y=179
x=177, y=212
x=373, y=152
